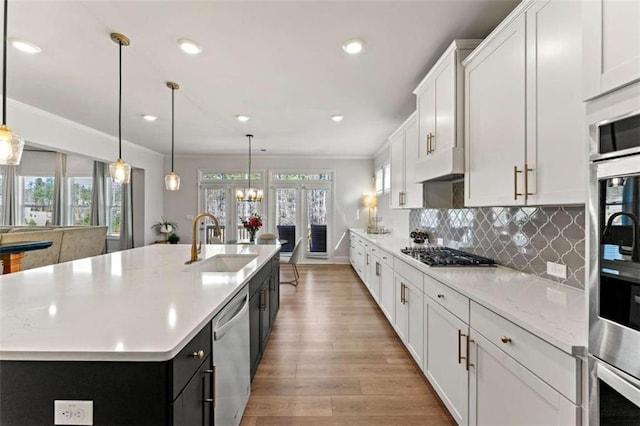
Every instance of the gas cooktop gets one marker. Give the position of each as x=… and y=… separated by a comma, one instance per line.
x=445, y=256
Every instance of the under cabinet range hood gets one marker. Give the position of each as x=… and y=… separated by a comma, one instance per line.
x=440, y=112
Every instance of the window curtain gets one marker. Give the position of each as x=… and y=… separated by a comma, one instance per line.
x=126, y=224
x=99, y=195
x=59, y=203
x=10, y=195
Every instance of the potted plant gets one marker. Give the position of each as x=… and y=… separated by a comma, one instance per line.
x=173, y=238
x=164, y=226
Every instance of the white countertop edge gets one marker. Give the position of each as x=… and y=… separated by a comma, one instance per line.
x=139, y=356
x=575, y=347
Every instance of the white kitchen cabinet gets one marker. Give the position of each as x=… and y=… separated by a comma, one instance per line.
x=495, y=108
x=503, y=392
x=611, y=45
x=405, y=193
x=375, y=271
x=357, y=256
x=524, y=127
x=446, y=363
x=439, y=101
x=409, y=309
x=556, y=143
x=387, y=293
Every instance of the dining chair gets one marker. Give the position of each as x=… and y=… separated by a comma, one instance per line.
x=293, y=261
x=266, y=238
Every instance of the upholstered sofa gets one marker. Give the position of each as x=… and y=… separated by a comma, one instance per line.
x=69, y=242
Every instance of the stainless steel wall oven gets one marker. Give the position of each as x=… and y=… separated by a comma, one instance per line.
x=614, y=272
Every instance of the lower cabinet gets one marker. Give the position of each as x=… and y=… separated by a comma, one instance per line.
x=194, y=405
x=387, y=293
x=486, y=369
x=409, y=319
x=375, y=274
x=503, y=392
x=447, y=359
x=264, y=303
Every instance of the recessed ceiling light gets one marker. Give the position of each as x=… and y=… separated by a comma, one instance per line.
x=189, y=46
x=25, y=46
x=337, y=117
x=150, y=117
x=242, y=118
x=353, y=46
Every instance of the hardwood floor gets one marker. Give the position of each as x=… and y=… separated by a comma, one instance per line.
x=333, y=359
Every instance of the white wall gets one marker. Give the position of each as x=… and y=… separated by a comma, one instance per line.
x=352, y=178
x=46, y=130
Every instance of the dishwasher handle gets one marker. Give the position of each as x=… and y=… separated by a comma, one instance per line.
x=223, y=328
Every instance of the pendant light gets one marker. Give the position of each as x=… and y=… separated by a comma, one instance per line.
x=11, y=145
x=120, y=171
x=251, y=194
x=172, y=180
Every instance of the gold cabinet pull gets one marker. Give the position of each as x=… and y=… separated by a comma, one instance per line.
x=526, y=181
x=516, y=194
x=469, y=342
x=505, y=339
x=212, y=400
x=460, y=357
x=198, y=354
x=428, y=143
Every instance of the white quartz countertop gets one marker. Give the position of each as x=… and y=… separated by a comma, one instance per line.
x=555, y=313
x=134, y=305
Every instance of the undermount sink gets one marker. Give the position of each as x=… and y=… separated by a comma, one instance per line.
x=221, y=263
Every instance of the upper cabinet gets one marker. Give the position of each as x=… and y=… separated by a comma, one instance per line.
x=403, y=149
x=439, y=99
x=524, y=117
x=611, y=45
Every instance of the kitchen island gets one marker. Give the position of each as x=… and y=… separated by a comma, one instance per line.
x=127, y=330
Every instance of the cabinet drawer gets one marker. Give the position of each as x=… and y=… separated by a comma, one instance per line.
x=385, y=258
x=408, y=272
x=455, y=302
x=557, y=368
x=185, y=364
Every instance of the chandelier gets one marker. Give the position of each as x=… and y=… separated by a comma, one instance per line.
x=250, y=194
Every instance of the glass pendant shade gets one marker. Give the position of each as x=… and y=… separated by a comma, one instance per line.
x=120, y=171
x=11, y=147
x=172, y=182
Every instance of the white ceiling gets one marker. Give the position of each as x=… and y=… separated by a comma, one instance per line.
x=279, y=62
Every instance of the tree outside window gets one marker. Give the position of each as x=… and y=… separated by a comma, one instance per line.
x=81, y=188
x=38, y=200
x=115, y=207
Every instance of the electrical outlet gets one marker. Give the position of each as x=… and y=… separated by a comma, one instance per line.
x=557, y=270
x=439, y=242
x=72, y=412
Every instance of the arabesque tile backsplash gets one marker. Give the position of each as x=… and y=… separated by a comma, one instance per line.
x=523, y=238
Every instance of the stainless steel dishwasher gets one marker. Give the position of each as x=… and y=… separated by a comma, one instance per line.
x=231, y=360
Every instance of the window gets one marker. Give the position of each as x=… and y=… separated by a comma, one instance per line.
x=383, y=179
x=114, y=207
x=1, y=196
x=380, y=181
x=80, y=189
x=218, y=197
x=37, y=200
x=386, y=187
